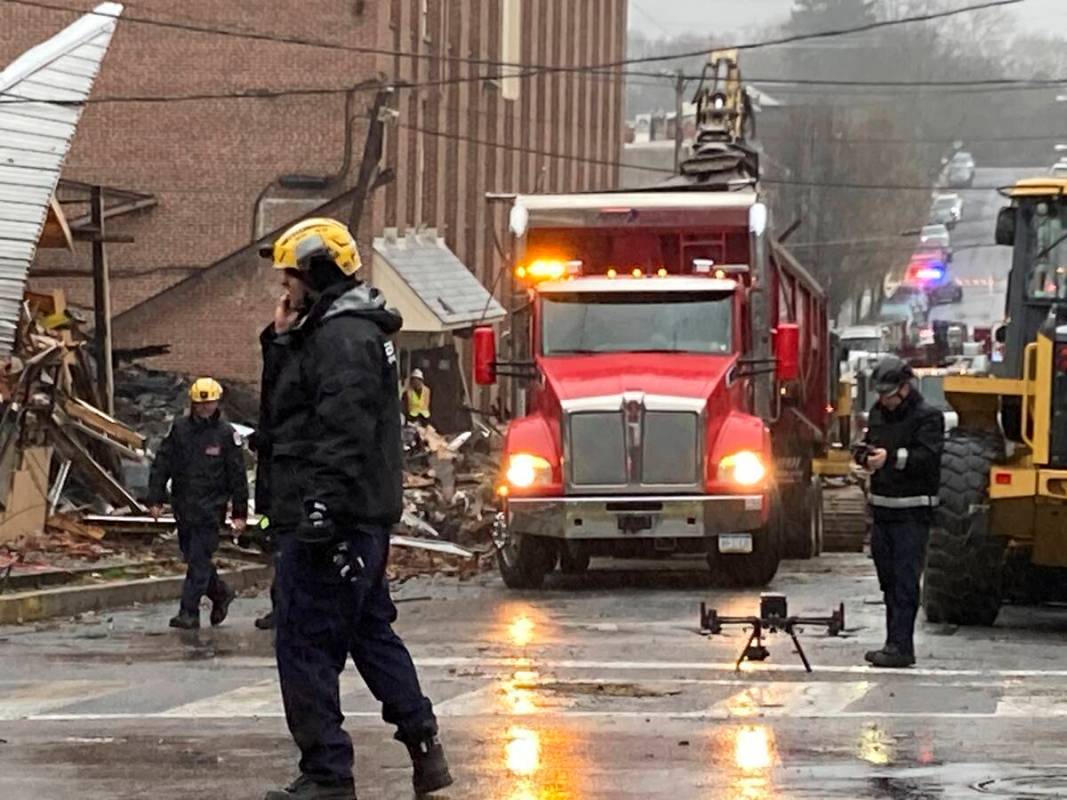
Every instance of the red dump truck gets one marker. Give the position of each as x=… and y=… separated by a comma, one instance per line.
x=669, y=370
x=671, y=392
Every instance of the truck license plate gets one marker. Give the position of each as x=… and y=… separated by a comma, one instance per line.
x=632, y=523
x=735, y=543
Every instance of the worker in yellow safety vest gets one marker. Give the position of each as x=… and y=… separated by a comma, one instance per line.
x=417, y=398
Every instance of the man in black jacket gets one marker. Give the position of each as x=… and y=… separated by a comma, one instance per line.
x=273, y=351
x=902, y=453
x=201, y=458
x=336, y=489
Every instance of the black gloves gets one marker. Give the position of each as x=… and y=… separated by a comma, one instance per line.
x=317, y=528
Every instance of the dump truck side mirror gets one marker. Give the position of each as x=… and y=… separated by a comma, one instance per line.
x=787, y=351
x=1005, y=233
x=484, y=355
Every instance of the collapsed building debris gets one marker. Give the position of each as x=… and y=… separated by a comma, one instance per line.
x=72, y=477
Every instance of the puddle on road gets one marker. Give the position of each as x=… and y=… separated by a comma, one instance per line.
x=876, y=746
x=903, y=789
x=1026, y=786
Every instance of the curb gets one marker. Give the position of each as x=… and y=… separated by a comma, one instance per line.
x=16, y=609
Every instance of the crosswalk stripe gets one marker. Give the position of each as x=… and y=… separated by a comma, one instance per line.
x=710, y=666
x=32, y=699
x=792, y=699
x=565, y=698
x=259, y=699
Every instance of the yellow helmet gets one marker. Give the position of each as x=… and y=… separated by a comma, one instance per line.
x=205, y=390
x=313, y=237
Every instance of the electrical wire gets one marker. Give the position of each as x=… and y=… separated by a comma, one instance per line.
x=530, y=151
x=531, y=68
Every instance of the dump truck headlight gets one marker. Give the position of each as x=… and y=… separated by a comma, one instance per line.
x=745, y=468
x=526, y=470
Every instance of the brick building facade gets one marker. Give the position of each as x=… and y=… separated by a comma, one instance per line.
x=214, y=163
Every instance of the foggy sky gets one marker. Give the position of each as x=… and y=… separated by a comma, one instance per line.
x=682, y=16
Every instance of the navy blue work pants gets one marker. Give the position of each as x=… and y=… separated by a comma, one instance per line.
x=322, y=619
x=198, y=543
x=898, y=546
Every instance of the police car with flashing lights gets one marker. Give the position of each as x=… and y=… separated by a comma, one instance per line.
x=931, y=276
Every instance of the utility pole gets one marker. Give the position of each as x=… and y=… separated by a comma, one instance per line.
x=105, y=376
x=679, y=107
x=369, y=174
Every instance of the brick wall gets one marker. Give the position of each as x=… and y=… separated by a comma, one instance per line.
x=206, y=161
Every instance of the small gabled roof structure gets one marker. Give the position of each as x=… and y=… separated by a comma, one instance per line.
x=429, y=285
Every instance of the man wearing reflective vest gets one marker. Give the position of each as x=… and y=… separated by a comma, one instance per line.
x=902, y=454
x=417, y=398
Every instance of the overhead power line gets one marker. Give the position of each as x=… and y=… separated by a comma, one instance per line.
x=531, y=151
x=532, y=68
x=823, y=184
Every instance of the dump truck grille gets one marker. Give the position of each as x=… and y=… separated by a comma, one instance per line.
x=669, y=451
x=634, y=448
x=598, y=449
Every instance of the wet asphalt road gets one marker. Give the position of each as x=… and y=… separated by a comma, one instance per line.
x=597, y=687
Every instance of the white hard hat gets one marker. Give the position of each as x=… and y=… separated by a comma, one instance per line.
x=416, y=374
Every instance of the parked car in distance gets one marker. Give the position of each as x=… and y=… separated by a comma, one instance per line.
x=946, y=210
x=931, y=236
x=909, y=304
x=960, y=171
x=1059, y=169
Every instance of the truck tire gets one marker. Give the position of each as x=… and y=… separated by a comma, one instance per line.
x=573, y=558
x=803, y=524
x=963, y=579
x=758, y=568
x=525, y=561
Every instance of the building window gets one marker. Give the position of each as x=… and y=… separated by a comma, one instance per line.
x=424, y=21
x=510, y=48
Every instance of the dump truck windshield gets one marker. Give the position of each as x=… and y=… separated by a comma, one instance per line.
x=638, y=322
x=1048, y=272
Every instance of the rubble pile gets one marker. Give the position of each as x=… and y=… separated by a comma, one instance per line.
x=448, y=484
x=71, y=475
x=52, y=407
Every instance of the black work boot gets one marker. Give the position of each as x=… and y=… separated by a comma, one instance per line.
x=430, y=766
x=266, y=622
x=303, y=788
x=185, y=621
x=892, y=657
x=871, y=655
x=220, y=607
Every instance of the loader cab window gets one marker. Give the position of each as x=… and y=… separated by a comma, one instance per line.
x=636, y=322
x=1047, y=278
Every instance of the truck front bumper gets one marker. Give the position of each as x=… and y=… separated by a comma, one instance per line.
x=635, y=516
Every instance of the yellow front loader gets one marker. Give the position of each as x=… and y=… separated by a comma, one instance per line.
x=1001, y=528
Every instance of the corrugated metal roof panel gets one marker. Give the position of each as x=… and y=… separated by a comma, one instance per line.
x=441, y=281
x=41, y=97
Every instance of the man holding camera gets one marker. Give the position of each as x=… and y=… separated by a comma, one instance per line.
x=902, y=453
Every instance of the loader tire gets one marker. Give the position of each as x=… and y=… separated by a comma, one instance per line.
x=525, y=561
x=758, y=568
x=803, y=520
x=963, y=579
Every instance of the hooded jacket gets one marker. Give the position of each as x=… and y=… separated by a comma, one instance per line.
x=203, y=461
x=333, y=427
x=913, y=436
